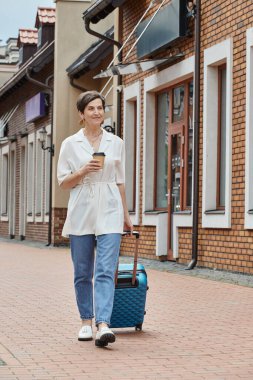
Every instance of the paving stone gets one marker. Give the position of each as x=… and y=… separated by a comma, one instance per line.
x=194, y=328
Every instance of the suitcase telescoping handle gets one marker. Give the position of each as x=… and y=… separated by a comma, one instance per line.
x=137, y=235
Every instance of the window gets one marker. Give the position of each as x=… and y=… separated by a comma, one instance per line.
x=217, y=136
x=23, y=188
x=21, y=54
x=153, y=85
x=132, y=146
x=30, y=179
x=39, y=180
x=131, y=156
x=47, y=179
x=4, y=184
x=178, y=104
x=174, y=146
x=221, y=157
x=39, y=37
x=162, y=104
x=189, y=147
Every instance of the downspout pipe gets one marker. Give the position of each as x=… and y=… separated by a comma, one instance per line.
x=71, y=81
x=195, y=209
x=119, y=45
x=50, y=90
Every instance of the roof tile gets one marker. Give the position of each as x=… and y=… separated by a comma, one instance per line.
x=45, y=16
x=28, y=36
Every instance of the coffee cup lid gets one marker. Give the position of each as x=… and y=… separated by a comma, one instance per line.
x=99, y=154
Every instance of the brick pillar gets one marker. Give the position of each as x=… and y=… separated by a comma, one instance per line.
x=58, y=219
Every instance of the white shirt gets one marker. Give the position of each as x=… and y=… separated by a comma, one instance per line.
x=95, y=205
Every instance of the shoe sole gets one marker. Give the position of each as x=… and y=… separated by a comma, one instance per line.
x=104, y=340
x=84, y=339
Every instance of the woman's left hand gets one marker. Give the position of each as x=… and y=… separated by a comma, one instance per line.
x=128, y=225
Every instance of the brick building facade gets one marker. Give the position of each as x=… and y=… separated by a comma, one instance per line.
x=157, y=112
x=26, y=110
x=225, y=236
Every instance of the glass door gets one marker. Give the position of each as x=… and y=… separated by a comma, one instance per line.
x=178, y=115
x=174, y=151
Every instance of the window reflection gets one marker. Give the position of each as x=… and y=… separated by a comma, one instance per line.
x=162, y=150
x=175, y=171
x=178, y=103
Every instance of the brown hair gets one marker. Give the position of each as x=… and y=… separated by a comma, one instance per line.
x=86, y=97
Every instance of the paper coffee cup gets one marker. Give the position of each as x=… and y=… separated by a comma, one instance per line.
x=100, y=156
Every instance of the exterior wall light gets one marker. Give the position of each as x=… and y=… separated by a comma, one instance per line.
x=43, y=135
x=191, y=8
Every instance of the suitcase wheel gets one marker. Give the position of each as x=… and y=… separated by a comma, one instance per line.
x=138, y=327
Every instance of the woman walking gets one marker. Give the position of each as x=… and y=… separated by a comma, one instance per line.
x=97, y=213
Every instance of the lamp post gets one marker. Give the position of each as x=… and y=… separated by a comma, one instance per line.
x=191, y=8
x=43, y=135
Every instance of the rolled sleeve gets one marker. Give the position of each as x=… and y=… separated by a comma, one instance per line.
x=120, y=166
x=63, y=167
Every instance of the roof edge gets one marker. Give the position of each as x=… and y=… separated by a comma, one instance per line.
x=42, y=54
x=101, y=9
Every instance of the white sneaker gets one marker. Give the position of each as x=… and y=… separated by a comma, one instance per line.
x=104, y=336
x=85, y=333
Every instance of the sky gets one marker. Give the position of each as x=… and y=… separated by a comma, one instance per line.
x=15, y=14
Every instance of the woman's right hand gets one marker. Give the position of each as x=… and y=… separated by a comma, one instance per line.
x=91, y=166
x=76, y=178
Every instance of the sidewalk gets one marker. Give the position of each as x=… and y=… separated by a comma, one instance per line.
x=195, y=328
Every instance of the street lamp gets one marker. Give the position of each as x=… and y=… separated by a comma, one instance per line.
x=43, y=135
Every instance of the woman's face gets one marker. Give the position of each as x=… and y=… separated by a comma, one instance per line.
x=93, y=114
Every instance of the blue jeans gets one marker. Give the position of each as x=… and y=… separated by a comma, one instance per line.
x=107, y=254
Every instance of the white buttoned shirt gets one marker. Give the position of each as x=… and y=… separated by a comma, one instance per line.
x=95, y=204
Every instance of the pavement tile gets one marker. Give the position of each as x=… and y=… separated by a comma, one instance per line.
x=196, y=327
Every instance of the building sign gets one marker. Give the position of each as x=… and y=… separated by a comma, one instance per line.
x=36, y=107
x=169, y=25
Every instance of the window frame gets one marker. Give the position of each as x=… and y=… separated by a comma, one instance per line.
x=220, y=68
x=4, y=217
x=23, y=187
x=215, y=56
x=151, y=84
x=155, y=207
x=183, y=125
x=132, y=94
x=39, y=182
x=46, y=182
x=30, y=179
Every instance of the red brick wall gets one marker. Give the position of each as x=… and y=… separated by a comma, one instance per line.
x=132, y=12
x=228, y=249
x=58, y=219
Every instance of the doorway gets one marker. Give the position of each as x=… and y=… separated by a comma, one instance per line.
x=174, y=150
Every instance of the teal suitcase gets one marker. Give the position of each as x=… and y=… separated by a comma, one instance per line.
x=130, y=294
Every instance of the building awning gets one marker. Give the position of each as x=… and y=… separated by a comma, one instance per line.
x=41, y=58
x=138, y=66
x=92, y=57
x=101, y=9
